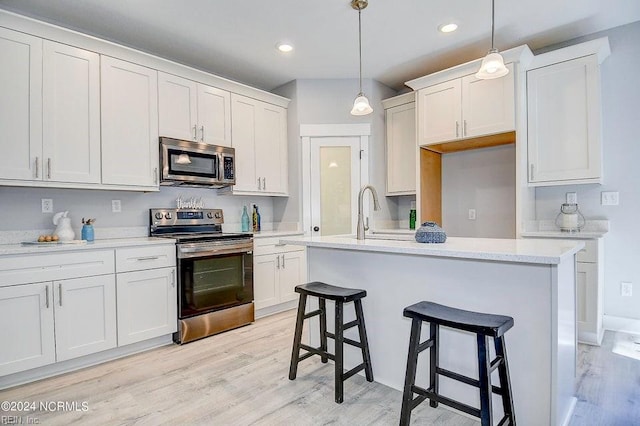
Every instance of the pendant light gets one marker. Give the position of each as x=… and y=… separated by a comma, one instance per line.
x=492, y=64
x=361, y=104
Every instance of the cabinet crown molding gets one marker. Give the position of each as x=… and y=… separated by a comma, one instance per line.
x=599, y=47
x=405, y=98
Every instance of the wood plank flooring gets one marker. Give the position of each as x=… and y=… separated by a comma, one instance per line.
x=240, y=378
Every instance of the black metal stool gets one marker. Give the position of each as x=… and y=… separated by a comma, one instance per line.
x=340, y=295
x=484, y=325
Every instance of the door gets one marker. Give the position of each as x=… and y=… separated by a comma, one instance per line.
x=20, y=106
x=271, y=148
x=214, y=116
x=439, y=112
x=129, y=124
x=26, y=327
x=292, y=273
x=335, y=182
x=71, y=114
x=177, y=107
x=85, y=315
x=147, y=304
x=244, y=112
x=265, y=280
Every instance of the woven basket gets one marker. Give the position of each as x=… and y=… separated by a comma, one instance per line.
x=430, y=232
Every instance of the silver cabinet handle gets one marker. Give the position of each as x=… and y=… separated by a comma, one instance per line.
x=259, y=186
x=283, y=261
x=264, y=184
x=202, y=134
x=457, y=129
x=48, y=168
x=173, y=278
x=38, y=172
x=278, y=264
x=531, y=172
x=195, y=132
x=141, y=259
x=46, y=295
x=464, y=128
x=155, y=176
x=60, y=294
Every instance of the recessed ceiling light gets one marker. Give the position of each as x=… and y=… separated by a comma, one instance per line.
x=447, y=28
x=284, y=47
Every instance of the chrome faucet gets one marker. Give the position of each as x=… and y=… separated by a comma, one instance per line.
x=376, y=207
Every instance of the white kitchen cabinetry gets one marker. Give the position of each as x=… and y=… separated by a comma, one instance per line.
x=129, y=124
x=20, y=106
x=193, y=111
x=589, y=292
x=564, y=130
x=147, y=293
x=26, y=327
x=259, y=136
x=277, y=269
x=400, y=121
x=466, y=107
x=71, y=114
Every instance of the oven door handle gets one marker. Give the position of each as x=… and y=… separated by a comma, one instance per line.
x=190, y=252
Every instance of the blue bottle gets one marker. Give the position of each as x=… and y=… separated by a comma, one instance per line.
x=245, y=219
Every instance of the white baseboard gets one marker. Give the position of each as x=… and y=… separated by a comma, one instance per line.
x=270, y=310
x=626, y=325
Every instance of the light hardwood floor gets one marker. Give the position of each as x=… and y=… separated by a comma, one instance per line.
x=240, y=378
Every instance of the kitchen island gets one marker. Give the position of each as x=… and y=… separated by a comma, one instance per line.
x=532, y=281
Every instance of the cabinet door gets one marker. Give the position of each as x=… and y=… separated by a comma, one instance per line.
x=266, y=269
x=439, y=113
x=564, y=122
x=401, y=149
x=293, y=272
x=214, y=116
x=271, y=148
x=177, y=106
x=488, y=106
x=71, y=114
x=129, y=124
x=20, y=106
x=147, y=304
x=244, y=112
x=26, y=327
x=85, y=315
x=587, y=300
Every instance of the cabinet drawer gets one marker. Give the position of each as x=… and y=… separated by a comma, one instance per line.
x=272, y=246
x=589, y=254
x=55, y=266
x=149, y=257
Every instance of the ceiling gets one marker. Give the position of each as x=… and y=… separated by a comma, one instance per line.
x=236, y=39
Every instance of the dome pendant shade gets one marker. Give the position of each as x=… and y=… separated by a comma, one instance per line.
x=361, y=105
x=492, y=66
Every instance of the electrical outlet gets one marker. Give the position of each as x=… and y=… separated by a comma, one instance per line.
x=609, y=198
x=47, y=205
x=572, y=198
x=472, y=214
x=116, y=206
x=626, y=289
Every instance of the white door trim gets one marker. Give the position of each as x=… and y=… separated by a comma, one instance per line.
x=309, y=131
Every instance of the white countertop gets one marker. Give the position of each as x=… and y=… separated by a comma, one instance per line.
x=13, y=249
x=268, y=234
x=581, y=235
x=541, y=251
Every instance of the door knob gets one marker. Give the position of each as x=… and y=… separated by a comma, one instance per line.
x=316, y=228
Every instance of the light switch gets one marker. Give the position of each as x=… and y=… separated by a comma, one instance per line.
x=116, y=206
x=609, y=198
x=472, y=214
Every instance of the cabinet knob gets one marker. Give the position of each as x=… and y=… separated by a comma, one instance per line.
x=316, y=228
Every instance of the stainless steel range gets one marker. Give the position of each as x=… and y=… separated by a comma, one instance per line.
x=215, y=271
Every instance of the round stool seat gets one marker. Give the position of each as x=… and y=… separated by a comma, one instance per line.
x=331, y=292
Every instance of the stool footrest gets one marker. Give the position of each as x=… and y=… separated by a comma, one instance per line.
x=352, y=342
x=353, y=371
x=496, y=363
x=427, y=393
x=425, y=345
x=314, y=351
x=350, y=324
x=504, y=420
x=312, y=313
x=464, y=379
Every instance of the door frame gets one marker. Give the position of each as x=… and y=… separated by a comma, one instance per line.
x=310, y=131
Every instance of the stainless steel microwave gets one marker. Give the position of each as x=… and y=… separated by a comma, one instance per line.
x=196, y=164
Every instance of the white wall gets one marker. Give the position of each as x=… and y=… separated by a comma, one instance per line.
x=621, y=153
x=329, y=101
x=484, y=180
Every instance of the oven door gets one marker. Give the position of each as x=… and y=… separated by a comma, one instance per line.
x=214, y=275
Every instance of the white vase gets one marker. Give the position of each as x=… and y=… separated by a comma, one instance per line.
x=64, y=231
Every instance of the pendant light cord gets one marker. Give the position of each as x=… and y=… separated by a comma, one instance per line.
x=360, y=43
x=493, y=20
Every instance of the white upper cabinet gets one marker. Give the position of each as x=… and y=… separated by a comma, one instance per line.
x=193, y=111
x=20, y=106
x=564, y=123
x=259, y=137
x=400, y=121
x=466, y=107
x=129, y=124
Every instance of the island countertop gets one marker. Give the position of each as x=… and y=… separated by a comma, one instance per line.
x=549, y=252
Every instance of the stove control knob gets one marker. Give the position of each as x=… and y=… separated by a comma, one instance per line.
x=210, y=215
x=218, y=215
x=159, y=215
x=167, y=216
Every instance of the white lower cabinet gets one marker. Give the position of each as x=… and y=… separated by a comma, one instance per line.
x=147, y=304
x=589, y=292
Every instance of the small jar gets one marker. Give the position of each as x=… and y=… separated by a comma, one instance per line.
x=570, y=219
x=87, y=232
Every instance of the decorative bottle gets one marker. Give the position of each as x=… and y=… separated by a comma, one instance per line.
x=87, y=229
x=254, y=218
x=258, y=215
x=412, y=216
x=245, y=219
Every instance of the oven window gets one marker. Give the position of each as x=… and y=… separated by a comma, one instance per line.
x=193, y=164
x=213, y=283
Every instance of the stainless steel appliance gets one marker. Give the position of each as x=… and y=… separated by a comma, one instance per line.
x=215, y=271
x=191, y=163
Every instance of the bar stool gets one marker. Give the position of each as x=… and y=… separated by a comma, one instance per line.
x=341, y=296
x=483, y=325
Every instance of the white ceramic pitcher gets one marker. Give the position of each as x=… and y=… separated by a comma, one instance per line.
x=64, y=231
